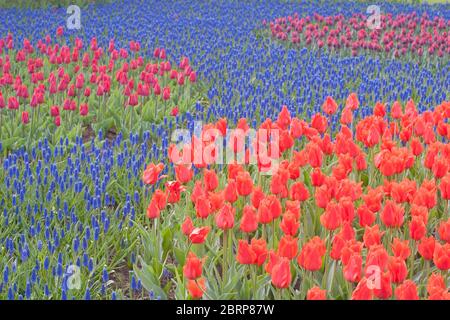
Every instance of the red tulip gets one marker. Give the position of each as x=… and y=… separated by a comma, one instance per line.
x=187, y=227
x=257, y=197
x=151, y=173
x=362, y=291
x=166, y=93
x=160, y=198
x=196, y=287
x=198, y=235
x=310, y=257
x=210, y=180
x=417, y=228
x=289, y=224
x=84, y=109
x=269, y=209
x=331, y=219
x=156, y=52
x=153, y=210
x=249, y=221
x=441, y=256
x=25, y=118
x=13, y=103
x=426, y=247
x=284, y=118
x=383, y=289
x=59, y=31
x=244, y=183
x=372, y=236
x=329, y=106
x=259, y=246
x=133, y=100
x=245, y=254
x=315, y=293
x=174, y=112
x=352, y=270
x=444, y=187
x=400, y=248
x=2, y=101
x=230, y=191
x=436, y=287
x=281, y=273
x=397, y=269
x=444, y=230
x=352, y=102
x=183, y=173
x=407, y=291
x=288, y=247
x=225, y=218
x=392, y=214
x=192, y=77
x=192, y=268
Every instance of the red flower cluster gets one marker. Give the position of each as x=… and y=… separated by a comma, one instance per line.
x=66, y=79
x=380, y=198
x=398, y=35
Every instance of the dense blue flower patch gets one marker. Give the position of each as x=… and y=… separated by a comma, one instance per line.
x=67, y=206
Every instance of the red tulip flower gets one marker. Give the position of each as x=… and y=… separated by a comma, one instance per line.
x=329, y=106
x=281, y=273
x=25, y=118
x=151, y=173
x=192, y=268
x=198, y=235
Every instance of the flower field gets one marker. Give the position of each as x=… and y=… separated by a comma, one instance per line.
x=403, y=34
x=230, y=150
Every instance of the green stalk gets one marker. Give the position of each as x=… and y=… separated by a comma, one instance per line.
x=131, y=119
x=254, y=270
x=224, y=256
x=277, y=294
x=273, y=234
x=411, y=258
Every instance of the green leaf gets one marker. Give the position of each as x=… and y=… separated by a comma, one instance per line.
x=150, y=283
x=180, y=255
x=330, y=277
x=167, y=241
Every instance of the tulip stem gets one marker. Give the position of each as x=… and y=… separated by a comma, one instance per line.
x=225, y=255
x=411, y=262
x=273, y=234
x=446, y=207
x=254, y=271
x=348, y=285
x=131, y=119
x=155, y=233
x=33, y=123
x=143, y=199
x=447, y=281
x=330, y=119
x=277, y=294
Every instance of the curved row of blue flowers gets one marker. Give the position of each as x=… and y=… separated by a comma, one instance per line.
x=68, y=206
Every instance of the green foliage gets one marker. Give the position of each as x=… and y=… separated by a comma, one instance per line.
x=44, y=4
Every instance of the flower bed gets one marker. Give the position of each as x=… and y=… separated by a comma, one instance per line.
x=363, y=215
x=58, y=90
x=402, y=35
